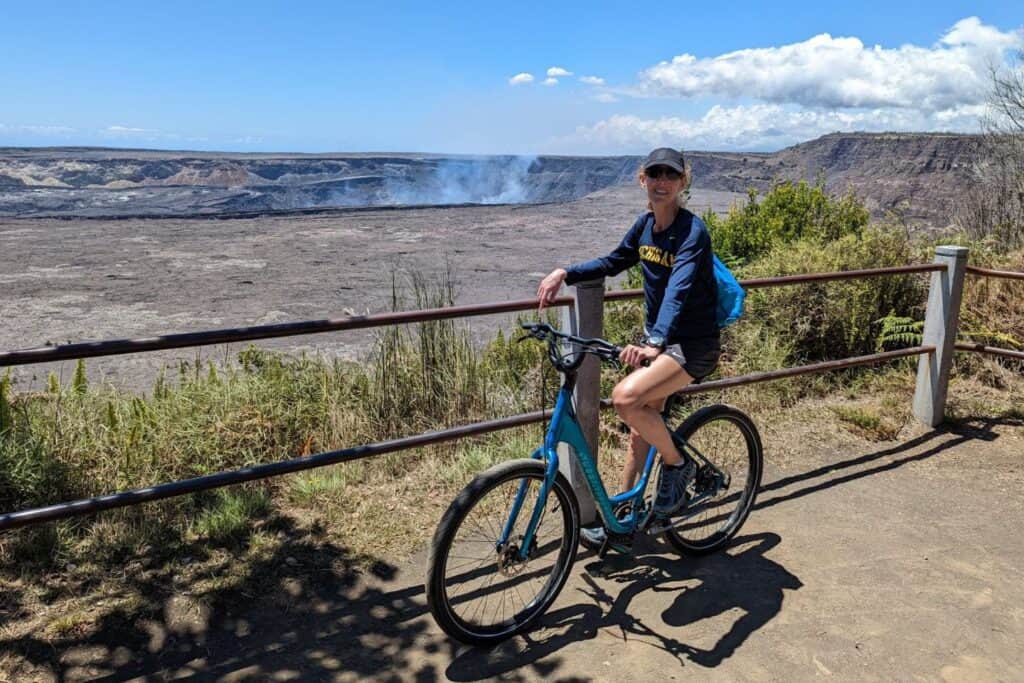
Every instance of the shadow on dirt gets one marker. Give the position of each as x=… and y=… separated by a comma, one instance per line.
x=741, y=578
x=310, y=610
x=944, y=438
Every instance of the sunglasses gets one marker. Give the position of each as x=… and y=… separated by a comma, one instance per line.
x=656, y=172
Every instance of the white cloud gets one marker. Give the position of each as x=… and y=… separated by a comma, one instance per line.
x=757, y=127
x=606, y=97
x=36, y=129
x=558, y=72
x=135, y=135
x=521, y=78
x=591, y=80
x=550, y=81
x=128, y=130
x=842, y=72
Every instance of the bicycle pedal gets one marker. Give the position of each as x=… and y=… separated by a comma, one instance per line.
x=617, y=543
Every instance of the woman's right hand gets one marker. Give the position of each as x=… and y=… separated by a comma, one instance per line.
x=549, y=287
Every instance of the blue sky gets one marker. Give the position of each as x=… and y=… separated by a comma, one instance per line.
x=406, y=77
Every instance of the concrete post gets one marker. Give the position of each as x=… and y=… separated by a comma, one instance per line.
x=585, y=319
x=940, y=329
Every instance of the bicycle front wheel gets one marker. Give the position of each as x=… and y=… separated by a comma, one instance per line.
x=479, y=588
x=730, y=441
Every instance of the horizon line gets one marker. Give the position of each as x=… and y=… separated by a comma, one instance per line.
x=107, y=148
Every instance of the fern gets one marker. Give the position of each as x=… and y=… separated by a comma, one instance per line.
x=898, y=330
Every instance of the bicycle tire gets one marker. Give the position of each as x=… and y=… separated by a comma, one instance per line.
x=729, y=439
x=454, y=540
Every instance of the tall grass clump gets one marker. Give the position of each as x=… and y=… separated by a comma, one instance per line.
x=427, y=375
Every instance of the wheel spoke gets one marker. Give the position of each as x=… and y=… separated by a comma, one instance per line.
x=487, y=590
x=728, y=440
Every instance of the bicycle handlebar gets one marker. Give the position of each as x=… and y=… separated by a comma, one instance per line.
x=601, y=348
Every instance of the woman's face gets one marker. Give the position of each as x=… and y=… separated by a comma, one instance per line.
x=663, y=185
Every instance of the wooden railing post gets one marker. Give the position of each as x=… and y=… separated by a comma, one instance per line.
x=940, y=329
x=585, y=319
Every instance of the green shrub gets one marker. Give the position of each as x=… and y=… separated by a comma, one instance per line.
x=80, y=382
x=788, y=212
x=837, y=319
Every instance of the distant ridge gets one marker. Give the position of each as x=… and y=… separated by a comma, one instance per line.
x=914, y=175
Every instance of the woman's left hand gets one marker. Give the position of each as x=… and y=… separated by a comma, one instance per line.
x=639, y=356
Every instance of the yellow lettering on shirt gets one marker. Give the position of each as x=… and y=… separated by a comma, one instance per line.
x=654, y=254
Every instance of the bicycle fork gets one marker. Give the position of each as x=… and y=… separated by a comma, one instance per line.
x=538, y=508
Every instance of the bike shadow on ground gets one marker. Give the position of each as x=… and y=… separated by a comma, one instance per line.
x=741, y=578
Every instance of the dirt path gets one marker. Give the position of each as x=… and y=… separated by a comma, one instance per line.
x=895, y=561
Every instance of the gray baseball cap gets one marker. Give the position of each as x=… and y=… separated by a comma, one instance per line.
x=665, y=156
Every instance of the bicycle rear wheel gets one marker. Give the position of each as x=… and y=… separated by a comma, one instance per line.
x=728, y=438
x=478, y=589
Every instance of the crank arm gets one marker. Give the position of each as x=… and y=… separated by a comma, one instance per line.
x=693, y=507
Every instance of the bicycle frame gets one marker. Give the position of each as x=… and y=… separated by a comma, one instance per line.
x=565, y=429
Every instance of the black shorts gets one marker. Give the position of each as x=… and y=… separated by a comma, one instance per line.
x=698, y=355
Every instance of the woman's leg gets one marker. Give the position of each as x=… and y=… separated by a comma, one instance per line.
x=635, y=396
x=634, y=460
x=638, y=448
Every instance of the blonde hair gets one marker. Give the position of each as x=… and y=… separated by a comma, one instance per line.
x=684, y=194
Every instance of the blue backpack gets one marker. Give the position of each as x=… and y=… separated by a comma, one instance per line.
x=730, y=294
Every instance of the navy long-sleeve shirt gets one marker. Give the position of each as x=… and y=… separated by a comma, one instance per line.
x=679, y=280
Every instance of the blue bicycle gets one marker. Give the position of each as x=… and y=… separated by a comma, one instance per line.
x=505, y=546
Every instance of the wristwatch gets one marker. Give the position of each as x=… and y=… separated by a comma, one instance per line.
x=656, y=342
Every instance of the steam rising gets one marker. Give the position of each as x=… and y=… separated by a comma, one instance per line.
x=501, y=180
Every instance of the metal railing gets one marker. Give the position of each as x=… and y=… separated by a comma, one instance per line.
x=975, y=347
x=587, y=398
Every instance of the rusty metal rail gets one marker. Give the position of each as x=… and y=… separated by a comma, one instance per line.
x=45, y=354
x=13, y=520
x=239, y=334
x=65, y=510
x=991, y=350
x=988, y=272
x=806, y=369
x=760, y=283
x=85, y=506
x=982, y=348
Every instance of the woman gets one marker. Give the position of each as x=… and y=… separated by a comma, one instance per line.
x=682, y=344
